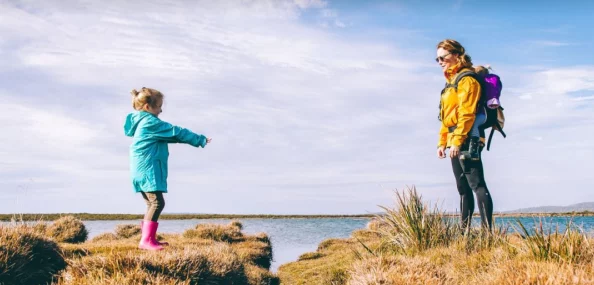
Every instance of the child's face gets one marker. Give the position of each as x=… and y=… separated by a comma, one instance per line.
x=156, y=110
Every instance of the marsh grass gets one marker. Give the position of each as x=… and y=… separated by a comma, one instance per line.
x=68, y=229
x=224, y=233
x=415, y=243
x=414, y=226
x=26, y=257
x=549, y=243
x=127, y=230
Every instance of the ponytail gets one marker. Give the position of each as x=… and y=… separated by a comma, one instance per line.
x=145, y=96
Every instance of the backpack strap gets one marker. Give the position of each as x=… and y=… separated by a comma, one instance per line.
x=482, y=99
x=462, y=75
x=498, y=127
x=455, y=85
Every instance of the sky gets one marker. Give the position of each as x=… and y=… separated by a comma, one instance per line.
x=313, y=107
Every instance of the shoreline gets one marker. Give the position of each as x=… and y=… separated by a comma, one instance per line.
x=110, y=217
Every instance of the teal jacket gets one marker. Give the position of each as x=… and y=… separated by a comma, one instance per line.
x=149, y=151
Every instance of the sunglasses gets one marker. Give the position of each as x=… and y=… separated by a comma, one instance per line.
x=441, y=58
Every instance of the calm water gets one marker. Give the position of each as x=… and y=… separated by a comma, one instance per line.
x=293, y=237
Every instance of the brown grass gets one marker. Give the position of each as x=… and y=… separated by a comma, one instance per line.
x=68, y=229
x=225, y=233
x=414, y=243
x=190, y=259
x=114, y=258
x=26, y=257
x=127, y=231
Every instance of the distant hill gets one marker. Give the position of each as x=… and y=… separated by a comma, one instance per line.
x=580, y=207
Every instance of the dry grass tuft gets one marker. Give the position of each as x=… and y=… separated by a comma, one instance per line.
x=414, y=226
x=68, y=229
x=127, y=231
x=237, y=224
x=255, y=252
x=27, y=257
x=225, y=233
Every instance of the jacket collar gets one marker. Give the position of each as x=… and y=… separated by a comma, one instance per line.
x=451, y=72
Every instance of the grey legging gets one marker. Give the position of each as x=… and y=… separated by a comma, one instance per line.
x=155, y=204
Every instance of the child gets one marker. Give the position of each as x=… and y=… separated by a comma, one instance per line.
x=148, y=157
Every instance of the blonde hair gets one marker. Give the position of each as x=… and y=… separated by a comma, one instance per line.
x=455, y=47
x=482, y=70
x=149, y=96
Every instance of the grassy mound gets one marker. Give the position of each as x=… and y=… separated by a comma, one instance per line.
x=108, y=237
x=127, y=231
x=224, y=233
x=414, y=243
x=27, y=257
x=210, y=265
x=190, y=259
x=68, y=229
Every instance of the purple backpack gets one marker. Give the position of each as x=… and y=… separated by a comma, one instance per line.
x=493, y=86
x=489, y=102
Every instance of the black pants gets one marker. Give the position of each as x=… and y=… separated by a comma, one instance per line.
x=469, y=183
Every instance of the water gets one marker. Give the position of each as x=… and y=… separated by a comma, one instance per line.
x=290, y=237
x=585, y=224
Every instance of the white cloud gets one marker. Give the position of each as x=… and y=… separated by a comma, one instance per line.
x=550, y=43
x=304, y=4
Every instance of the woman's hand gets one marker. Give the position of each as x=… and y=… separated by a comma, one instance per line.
x=454, y=151
x=441, y=153
x=208, y=140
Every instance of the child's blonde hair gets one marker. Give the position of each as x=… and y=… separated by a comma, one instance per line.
x=482, y=70
x=149, y=96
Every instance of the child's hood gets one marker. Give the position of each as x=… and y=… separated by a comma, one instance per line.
x=132, y=121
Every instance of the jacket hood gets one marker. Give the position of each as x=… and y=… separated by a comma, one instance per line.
x=132, y=121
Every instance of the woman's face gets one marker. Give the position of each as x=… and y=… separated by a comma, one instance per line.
x=446, y=59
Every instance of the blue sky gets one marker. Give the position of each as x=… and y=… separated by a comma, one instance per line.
x=313, y=106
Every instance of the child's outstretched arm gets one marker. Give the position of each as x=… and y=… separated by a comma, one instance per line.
x=173, y=134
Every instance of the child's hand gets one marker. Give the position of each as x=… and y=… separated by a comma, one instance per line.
x=208, y=140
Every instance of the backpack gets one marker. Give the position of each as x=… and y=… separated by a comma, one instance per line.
x=490, y=89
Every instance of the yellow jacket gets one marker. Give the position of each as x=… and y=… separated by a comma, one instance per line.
x=458, y=108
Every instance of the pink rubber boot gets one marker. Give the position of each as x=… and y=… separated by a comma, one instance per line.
x=149, y=229
x=154, y=236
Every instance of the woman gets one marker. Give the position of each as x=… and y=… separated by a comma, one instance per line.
x=457, y=113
